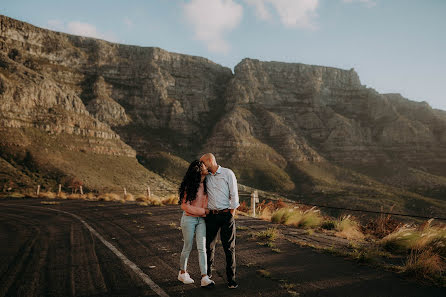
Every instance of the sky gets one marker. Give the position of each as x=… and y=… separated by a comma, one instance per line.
x=396, y=46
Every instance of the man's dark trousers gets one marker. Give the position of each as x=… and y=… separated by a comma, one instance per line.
x=226, y=224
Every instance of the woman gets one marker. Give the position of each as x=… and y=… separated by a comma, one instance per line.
x=194, y=200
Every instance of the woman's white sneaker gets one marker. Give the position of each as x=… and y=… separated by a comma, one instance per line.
x=206, y=281
x=185, y=278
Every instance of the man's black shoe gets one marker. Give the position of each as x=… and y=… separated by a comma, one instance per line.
x=232, y=284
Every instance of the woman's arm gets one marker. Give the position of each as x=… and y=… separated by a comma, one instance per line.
x=194, y=210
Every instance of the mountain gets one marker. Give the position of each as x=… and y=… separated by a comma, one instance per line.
x=112, y=114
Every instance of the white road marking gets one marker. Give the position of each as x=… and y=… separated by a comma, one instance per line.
x=145, y=278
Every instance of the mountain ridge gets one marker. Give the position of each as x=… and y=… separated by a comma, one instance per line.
x=284, y=127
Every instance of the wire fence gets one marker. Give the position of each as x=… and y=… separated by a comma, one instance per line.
x=245, y=196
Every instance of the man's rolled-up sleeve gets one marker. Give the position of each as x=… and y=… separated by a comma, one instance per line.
x=233, y=191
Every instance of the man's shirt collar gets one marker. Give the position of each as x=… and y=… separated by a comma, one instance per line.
x=218, y=171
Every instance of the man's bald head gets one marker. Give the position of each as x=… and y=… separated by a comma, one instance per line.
x=210, y=162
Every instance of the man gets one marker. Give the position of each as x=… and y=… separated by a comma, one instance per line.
x=223, y=201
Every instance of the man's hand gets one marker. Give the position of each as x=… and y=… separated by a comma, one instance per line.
x=206, y=211
x=232, y=212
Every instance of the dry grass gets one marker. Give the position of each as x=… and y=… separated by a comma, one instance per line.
x=49, y=202
x=110, y=197
x=270, y=234
x=425, y=263
x=155, y=201
x=264, y=273
x=381, y=226
x=348, y=227
x=171, y=199
x=129, y=197
x=141, y=198
x=47, y=195
x=92, y=197
x=77, y=196
x=310, y=218
x=265, y=214
x=243, y=207
x=13, y=195
x=408, y=238
x=62, y=195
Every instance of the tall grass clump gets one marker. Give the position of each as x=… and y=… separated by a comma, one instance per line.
x=348, y=227
x=129, y=197
x=425, y=263
x=14, y=195
x=310, y=218
x=409, y=238
x=171, y=199
x=270, y=234
x=48, y=195
x=282, y=215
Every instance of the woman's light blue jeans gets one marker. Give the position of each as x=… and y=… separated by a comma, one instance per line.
x=191, y=226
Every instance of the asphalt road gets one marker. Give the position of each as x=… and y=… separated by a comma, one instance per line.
x=83, y=248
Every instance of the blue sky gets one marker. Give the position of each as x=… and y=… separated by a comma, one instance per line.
x=396, y=46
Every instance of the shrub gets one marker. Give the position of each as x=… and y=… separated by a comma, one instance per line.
x=243, y=207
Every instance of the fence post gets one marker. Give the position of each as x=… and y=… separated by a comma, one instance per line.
x=148, y=194
x=59, y=191
x=125, y=193
x=38, y=190
x=254, y=199
x=80, y=189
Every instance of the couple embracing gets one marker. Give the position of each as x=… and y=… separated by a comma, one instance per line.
x=209, y=198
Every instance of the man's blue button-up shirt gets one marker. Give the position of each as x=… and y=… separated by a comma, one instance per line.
x=222, y=189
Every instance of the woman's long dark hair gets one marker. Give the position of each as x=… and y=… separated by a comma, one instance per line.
x=191, y=182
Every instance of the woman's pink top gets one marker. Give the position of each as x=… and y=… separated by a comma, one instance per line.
x=197, y=207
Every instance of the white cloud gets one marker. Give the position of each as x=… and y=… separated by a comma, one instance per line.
x=292, y=13
x=56, y=25
x=212, y=19
x=368, y=3
x=260, y=7
x=80, y=28
x=88, y=30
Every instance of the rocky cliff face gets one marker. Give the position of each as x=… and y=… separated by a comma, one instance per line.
x=280, y=126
